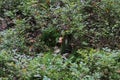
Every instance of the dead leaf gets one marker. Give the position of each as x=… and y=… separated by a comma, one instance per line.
x=32, y=41
x=118, y=71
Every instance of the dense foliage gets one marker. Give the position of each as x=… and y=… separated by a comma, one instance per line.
x=30, y=30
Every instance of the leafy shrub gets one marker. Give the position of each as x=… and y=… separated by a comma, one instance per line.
x=102, y=23
x=27, y=48
x=90, y=64
x=86, y=21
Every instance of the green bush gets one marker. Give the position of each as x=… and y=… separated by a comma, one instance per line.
x=92, y=24
x=90, y=64
x=26, y=49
